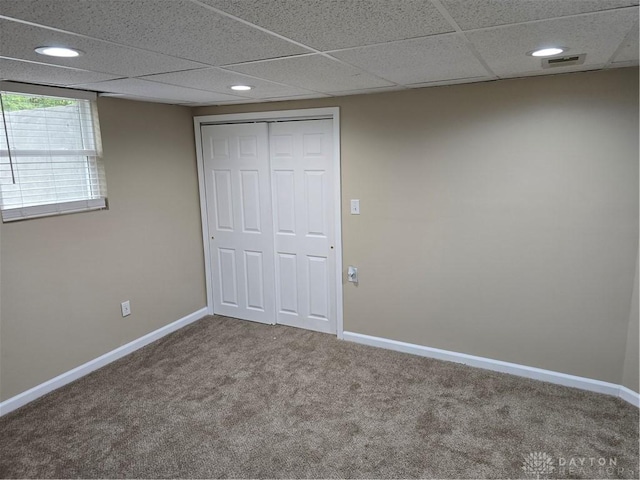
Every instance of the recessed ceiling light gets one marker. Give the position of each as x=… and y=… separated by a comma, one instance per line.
x=59, y=52
x=547, y=52
x=241, y=88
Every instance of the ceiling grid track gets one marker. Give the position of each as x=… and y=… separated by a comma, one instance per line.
x=193, y=51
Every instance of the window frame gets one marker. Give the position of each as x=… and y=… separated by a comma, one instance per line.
x=94, y=160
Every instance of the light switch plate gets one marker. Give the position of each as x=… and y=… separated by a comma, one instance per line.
x=355, y=206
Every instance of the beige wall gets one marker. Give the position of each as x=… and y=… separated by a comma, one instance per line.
x=631, y=373
x=63, y=278
x=498, y=219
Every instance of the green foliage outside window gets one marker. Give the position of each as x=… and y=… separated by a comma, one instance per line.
x=12, y=103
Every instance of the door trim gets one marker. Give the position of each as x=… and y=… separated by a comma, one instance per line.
x=332, y=113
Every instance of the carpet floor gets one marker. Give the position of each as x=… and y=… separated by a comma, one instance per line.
x=228, y=398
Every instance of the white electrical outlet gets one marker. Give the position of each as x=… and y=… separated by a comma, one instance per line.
x=126, y=308
x=352, y=274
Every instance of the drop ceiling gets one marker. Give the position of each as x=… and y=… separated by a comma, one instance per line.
x=191, y=51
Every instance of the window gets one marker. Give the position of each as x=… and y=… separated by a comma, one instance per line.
x=49, y=152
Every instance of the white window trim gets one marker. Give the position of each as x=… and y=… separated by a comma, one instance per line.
x=53, y=209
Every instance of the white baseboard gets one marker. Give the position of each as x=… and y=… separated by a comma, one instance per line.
x=550, y=376
x=630, y=396
x=28, y=396
x=499, y=366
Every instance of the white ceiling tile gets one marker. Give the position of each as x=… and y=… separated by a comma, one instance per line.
x=366, y=91
x=175, y=27
x=145, y=89
x=628, y=52
x=449, y=82
x=201, y=104
x=420, y=60
x=170, y=43
x=18, y=40
x=298, y=97
x=145, y=99
x=333, y=24
x=235, y=102
x=598, y=35
x=470, y=14
x=29, y=72
x=275, y=99
x=217, y=80
x=314, y=72
x=556, y=70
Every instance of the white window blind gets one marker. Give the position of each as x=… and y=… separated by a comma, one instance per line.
x=50, y=153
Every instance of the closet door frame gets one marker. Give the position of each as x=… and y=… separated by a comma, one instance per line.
x=332, y=113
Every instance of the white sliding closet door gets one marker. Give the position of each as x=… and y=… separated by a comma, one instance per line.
x=237, y=187
x=270, y=208
x=303, y=218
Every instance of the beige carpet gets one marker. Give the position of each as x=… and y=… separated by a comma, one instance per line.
x=226, y=398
